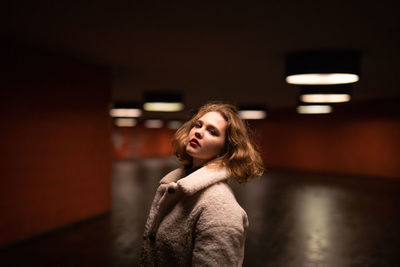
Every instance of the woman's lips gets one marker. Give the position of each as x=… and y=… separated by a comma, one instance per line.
x=194, y=142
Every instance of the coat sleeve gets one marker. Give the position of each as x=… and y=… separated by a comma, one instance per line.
x=219, y=240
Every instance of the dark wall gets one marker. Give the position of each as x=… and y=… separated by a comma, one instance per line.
x=55, y=141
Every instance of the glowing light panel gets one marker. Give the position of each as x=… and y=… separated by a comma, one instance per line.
x=125, y=122
x=174, y=124
x=322, y=78
x=153, y=124
x=163, y=106
x=252, y=114
x=325, y=98
x=314, y=109
x=125, y=112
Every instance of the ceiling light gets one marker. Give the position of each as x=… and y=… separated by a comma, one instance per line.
x=322, y=78
x=154, y=124
x=126, y=110
x=325, y=93
x=325, y=98
x=125, y=122
x=163, y=106
x=323, y=67
x=252, y=112
x=163, y=102
x=314, y=109
x=174, y=124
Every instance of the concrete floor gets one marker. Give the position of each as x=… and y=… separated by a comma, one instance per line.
x=296, y=219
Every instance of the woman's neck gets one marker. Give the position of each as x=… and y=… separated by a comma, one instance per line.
x=196, y=163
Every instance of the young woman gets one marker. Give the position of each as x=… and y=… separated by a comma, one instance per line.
x=195, y=219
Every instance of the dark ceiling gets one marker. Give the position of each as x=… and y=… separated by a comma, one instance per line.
x=224, y=50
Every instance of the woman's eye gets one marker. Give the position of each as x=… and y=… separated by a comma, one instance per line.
x=198, y=126
x=214, y=133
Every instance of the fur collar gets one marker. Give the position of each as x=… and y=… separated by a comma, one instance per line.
x=197, y=180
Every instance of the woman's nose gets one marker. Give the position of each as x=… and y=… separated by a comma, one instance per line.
x=198, y=134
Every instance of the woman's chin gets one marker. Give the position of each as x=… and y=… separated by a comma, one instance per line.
x=190, y=150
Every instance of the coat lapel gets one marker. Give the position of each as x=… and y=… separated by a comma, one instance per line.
x=196, y=181
x=172, y=176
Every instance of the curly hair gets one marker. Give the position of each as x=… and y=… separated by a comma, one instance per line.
x=239, y=155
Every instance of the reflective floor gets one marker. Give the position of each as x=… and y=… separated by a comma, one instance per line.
x=296, y=219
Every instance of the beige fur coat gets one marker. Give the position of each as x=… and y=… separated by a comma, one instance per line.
x=195, y=221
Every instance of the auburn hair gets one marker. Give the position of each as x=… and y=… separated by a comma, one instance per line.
x=239, y=155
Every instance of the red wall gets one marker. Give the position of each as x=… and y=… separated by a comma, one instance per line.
x=364, y=141
x=136, y=142
x=55, y=134
x=365, y=144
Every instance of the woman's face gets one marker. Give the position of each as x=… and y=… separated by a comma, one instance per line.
x=206, y=138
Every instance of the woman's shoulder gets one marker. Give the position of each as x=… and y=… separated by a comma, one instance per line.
x=217, y=206
x=220, y=198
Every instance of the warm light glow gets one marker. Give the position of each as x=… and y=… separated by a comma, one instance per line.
x=252, y=114
x=314, y=109
x=124, y=122
x=163, y=106
x=325, y=98
x=174, y=124
x=322, y=78
x=153, y=123
x=125, y=112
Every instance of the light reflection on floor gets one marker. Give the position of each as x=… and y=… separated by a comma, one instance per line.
x=296, y=219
